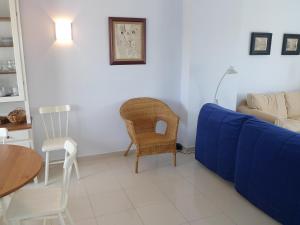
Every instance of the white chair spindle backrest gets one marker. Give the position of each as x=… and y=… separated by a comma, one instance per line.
x=67, y=124
x=3, y=135
x=52, y=125
x=71, y=151
x=59, y=124
x=52, y=119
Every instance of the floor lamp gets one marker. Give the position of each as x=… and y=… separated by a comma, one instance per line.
x=229, y=71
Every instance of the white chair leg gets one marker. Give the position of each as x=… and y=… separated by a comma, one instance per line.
x=46, y=168
x=32, y=147
x=61, y=219
x=3, y=208
x=3, y=205
x=44, y=221
x=4, y=220
x=14, y=222
x=76, y=169
x=69, y=217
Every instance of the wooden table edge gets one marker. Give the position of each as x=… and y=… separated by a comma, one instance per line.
x=29, y=180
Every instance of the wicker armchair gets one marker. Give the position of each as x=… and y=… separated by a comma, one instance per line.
x=141, y=116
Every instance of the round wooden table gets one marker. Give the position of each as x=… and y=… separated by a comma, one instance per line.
x=18, y=166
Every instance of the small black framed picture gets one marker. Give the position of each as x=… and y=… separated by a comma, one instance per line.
x=260, y=43
x=291, y=44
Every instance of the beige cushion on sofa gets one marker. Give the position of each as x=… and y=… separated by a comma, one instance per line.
x=290, y=124
x=269, y=103
x=293, y=104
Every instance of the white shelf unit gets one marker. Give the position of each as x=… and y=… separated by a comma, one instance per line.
x=10, y=26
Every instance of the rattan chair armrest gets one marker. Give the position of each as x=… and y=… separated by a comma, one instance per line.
x=131, y=130
x=172, y=121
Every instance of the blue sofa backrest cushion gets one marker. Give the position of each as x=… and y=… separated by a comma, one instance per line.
x=268, y=169
x=217, y=138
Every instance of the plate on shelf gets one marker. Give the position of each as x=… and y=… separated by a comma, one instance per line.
x=6, y=41
x=7, y=72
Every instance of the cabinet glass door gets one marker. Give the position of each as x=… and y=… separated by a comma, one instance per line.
x=11, y=85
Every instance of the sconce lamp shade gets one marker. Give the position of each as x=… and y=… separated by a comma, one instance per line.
x=63, y=30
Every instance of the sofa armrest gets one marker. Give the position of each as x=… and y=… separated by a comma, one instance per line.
x=257, y=113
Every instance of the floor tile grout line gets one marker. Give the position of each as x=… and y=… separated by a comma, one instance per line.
x=222, y=210
x=124, y=191
x=139, y=213
x=208, y=217
x=171, y=202
x=135, y=209
x=204, y=195
x=206, y=192
x=90, y=203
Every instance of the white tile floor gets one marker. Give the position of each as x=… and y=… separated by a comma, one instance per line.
x=109, y=193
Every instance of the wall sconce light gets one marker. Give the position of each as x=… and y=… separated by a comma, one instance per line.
x=63, y=31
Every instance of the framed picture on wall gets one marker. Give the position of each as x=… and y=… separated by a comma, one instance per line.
x=260, y=43
x=291, y=44
x=127, y=40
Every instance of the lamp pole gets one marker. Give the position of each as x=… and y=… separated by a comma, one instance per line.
x=229, y=71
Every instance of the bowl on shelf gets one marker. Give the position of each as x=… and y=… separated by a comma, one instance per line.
x=17, y=116
x=7, y=66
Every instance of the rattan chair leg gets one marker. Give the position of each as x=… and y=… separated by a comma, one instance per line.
x=137, y=165
x=128, y=149
x=174, y=158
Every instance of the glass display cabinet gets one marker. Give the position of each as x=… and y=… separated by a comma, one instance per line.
x=13, y=89
x=11, y=73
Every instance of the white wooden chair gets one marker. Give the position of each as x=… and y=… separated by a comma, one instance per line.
x=56, y=125
x=3, y=135
x=44, y=202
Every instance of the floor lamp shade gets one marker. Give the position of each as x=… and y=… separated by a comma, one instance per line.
x=230, y=71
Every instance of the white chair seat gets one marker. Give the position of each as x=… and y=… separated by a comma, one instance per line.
x=54, y=144
x=34, y=202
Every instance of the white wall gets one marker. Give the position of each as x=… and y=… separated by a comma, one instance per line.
x=190, y=45
x=81, y=75
x=4, y=8
x=217, y=35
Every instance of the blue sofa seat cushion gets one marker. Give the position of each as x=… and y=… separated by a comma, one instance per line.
x=217, y=138
x=268, y=170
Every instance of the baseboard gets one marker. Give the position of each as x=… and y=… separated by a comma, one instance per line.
x=100, y=155
x=82, y=158
x=189, y=147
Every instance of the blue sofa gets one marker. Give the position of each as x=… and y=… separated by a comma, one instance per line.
x=217, y=138
x=261, y=159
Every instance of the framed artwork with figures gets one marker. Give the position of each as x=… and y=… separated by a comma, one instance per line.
x=127, y=40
